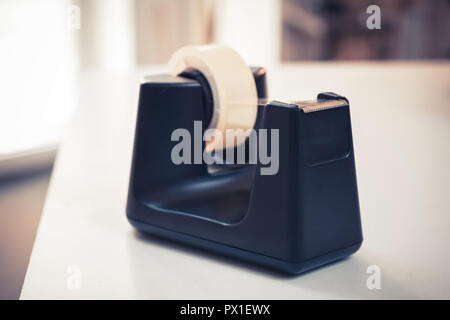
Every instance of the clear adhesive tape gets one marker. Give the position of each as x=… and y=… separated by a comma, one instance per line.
x=235, y=100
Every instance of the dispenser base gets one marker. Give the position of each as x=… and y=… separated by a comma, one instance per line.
x=248, y=256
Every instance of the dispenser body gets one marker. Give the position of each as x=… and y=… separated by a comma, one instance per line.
x=304, y=216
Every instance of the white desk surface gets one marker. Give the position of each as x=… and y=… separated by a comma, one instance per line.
x=401, y=127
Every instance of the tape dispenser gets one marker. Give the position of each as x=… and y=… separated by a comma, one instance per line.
x=279, y=191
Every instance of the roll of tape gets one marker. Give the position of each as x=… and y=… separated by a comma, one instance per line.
x=232, y=85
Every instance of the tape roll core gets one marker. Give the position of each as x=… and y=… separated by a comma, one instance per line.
x=232, y=85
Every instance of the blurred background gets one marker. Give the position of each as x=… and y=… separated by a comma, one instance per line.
x=46, y=45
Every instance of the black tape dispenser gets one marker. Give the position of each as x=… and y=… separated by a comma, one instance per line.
x=218, y=167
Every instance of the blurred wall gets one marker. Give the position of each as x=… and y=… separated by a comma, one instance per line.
x=118, y=34
x=336, y=30
x=106, y=37
x=163, y=26
x=252, y=27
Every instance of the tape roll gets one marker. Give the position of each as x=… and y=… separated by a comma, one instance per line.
x=233, y=88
